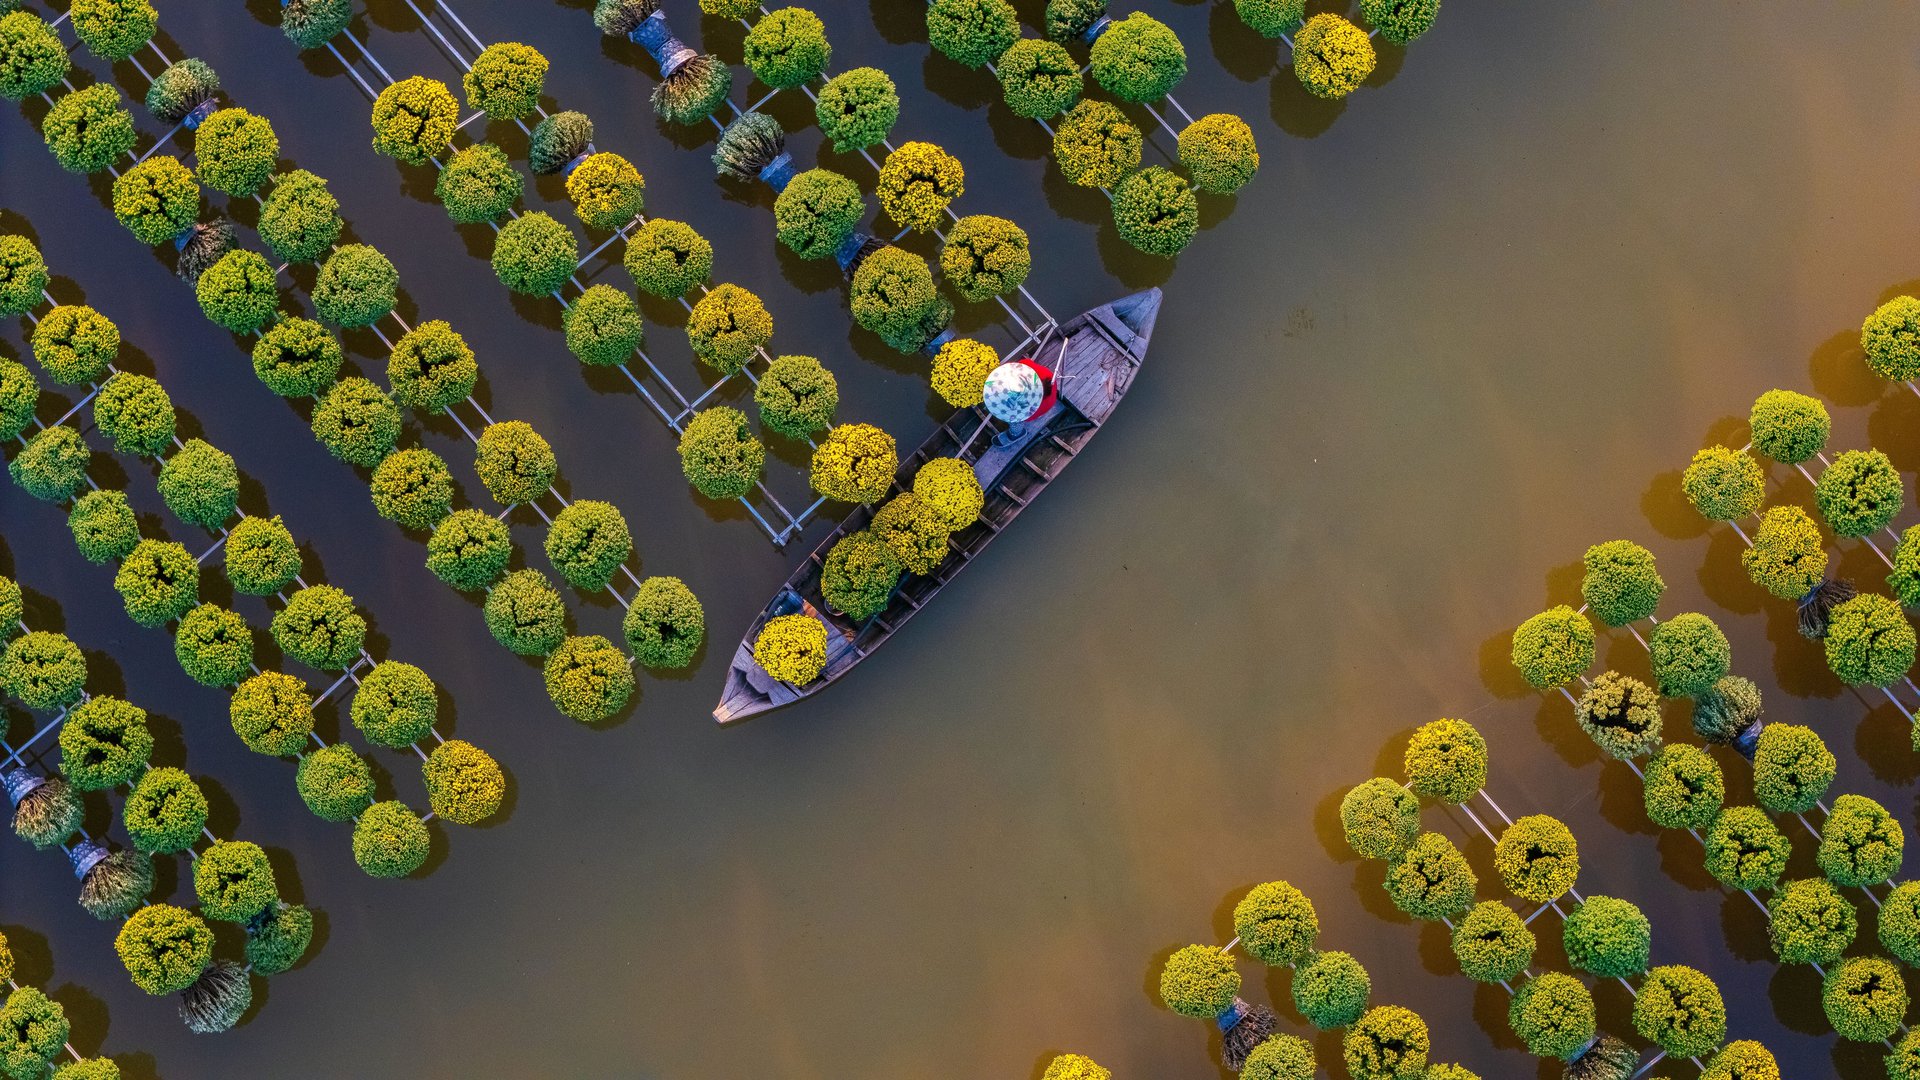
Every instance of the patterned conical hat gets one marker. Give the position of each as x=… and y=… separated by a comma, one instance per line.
x=1013, y=392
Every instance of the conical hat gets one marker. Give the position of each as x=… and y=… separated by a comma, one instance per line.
x=1013, y=392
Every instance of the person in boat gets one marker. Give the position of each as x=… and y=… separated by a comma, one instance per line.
x=1018, y=391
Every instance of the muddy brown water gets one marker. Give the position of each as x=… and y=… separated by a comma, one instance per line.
x=1457, y=329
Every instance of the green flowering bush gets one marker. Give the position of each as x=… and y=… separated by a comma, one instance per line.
x=74, y=343
x=19, y=395
x=1787, y=557
x=1723, y=484
x=213, y=645
x=237, y=150
x=1553, y=1014
x=135, y=413
x=915, y=532
x=164, y=948
x=857, y=108
x=165, y=811
x=320, y=628
x=859, y=575
x=35, y=58
x=300, y=219
x=1271, y=18
x=1721, y=715
x=1379, y=818
x=464, y=783
x=665, y=624
x=104, y=743
x=23, y=275
x=1432, y=879
x=272, y=713
x=960, y=371
x=524, y=612
x=1075, y=1067
x=1789, y=427
x=1331, y=990
x=431, y=367
x=1680, y=1009
x=1904, y=578
x=357, y=286
x=588, y=678
x=514, y=462
x=1859, y=493
x=1607, y=937
x=261, y=556
x=412, y=488
x=1199, y=981
x=1139, y=58
x=1068, y=20
x=603, y=326
x=390, y=840
x=667, y=258
x=535, y=254
x=103, y=526
x=395, y=705
x=113, y=29
x=727, y=327
x=1891, y=339
x=1277, y=924
x=787, y=47
x=1537, y=858
x=607, y=191
x=88, y=129
x=796, y=396
x=1899, y=930
x=918, y=181
x=855, y=463
x=893, y=295
x=276, y=939
x=972, y=32
x=478, y=184
x=1446, y=760
x=1904, y=1062
x=1869, y=641
x=1865, y=999
x=44, y=670
x=200, y=484
x=297, y=357
x=158, y=582
x=1621, y=715
x=505, y=80
x=1861, y=844
x=1745, y=850
x=239, y=292
x=335, y=783
x=587, y=542
x=1553, y=647
x=1622, y=584
x=949, y=487
x=53, y=465
x=1400, y=21
x=1331, y=56
x=985, y=256
x=414, y=120
x=1809, y=922
x=1792, y=768
x=1690, y=654
x=1388, y=1043
x=157, y=199
x=792, y=648
x=1218, y=151
x=1155, y=211
x=816, y=212
x=1039, y=79
x=469, y=550
x=233, y=881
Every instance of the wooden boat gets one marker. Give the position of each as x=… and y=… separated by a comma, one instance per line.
x=1095, y=357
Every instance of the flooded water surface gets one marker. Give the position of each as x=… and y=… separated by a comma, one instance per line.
x=1460, y=327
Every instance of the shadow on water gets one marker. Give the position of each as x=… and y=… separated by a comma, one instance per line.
x=1839, y=373
x=1299, y=113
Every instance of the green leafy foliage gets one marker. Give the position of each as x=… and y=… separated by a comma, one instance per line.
x=1899, y=928
x=88, y=129
x=719, y=455
x=300, y=219
x=104, y=743
x=395, y=705
x=182, y=88
x=1553, y=1014
x=1074, y=1067
x=236, y=150
x=1859, y=493
x=1432, y=879
x=478, y=184
x=357, y=422
x=113, y=29
x=1680, y=1009
x=665, y=624
x=297, y=357
x=1218, y=151
x=859, y=575
x=1400, y=21
x=1787, y=557
x=23, y=275
x=19, y=395
x=233, y=881
x=164, y=948
x=43, y=669
x=1608, y=937
x=1537, y=858
x=135, y=414
x=213, y=645
x=1553, y=647
x=412, y=488
x=53, y=465
x=588, y=678
x=514, y=462
x=103, y=526
x=1331, y=56
x=603, y=326
x=157, y=199
x=1861, y=844
x=464, y=783
x=857, y=108
x=200, y=484
x=35, y=58
x=335, y=783
x=524, y=612
x=1690, y=654
x=1891, y=339
x=390, y=840
x=1622, y=584
x=1865, y=999
x=469, y=549
x=985, y=256
x=1809, y=922
x=914, y=530
x=1723, y=713
x=414, y=120
x=33, y=1031
x=1869, y=641
x=787, y=47
x=165, y=811
x=816, y=212
x=587, y=542
x=1789, y=427
x=728, y=327
x=1621, y=715
x=1139, y=58
x=1492, y=943
x=1388, y=1043
x=949, y=488
x=272, y=713
x=1446, y=760
x=1331, y=990
x=796, y=396
x=918, y=181
x=73, y=344
x=261, y=556
x=557, y=140
x=239, y=292
x=1379, y=818
x=158, y=582
x=1723, y=484
x=972, y=32
x=505, y=80
x=1199, y=981
x=1155, y=211
x=893, y=295
x=357, y=286
x=278, y=937
x=535, y=254
x=1039, y=79
x=1792, y=768
x=431, y=367
x=320, y=628
x=1271, y=18
x=667, y=258
x=1745, y=849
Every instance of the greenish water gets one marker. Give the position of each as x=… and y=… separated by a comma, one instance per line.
x=1454, y=332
